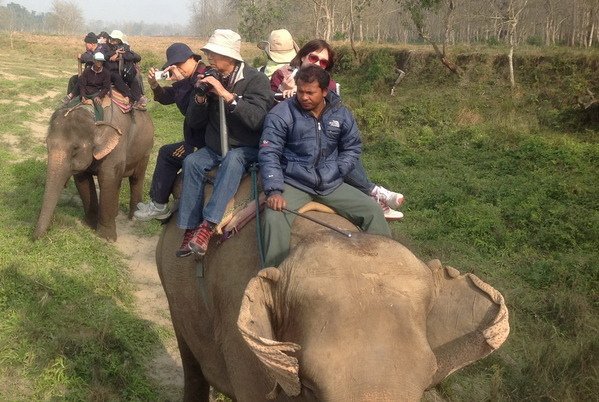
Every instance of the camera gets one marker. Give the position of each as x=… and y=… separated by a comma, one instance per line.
x=162, y=75
x=202, y=88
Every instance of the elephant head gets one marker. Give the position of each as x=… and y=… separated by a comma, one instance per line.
x=362, y=319
x=74, y=141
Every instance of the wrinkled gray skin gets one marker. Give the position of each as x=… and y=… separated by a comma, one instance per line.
x=342, y=319
x=74, y=142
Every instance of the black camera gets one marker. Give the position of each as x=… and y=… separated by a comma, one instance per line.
x=202, y=88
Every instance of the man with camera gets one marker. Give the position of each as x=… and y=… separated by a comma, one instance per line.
x=183, y=67
x=247, y=98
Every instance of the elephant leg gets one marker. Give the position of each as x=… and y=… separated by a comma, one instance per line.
x=89, y=197
x=136, y=184
x=110, y=184
x=196, y=388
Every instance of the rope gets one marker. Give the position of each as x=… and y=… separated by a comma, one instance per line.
x=253, y=171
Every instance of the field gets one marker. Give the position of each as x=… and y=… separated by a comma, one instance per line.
x=500, y=182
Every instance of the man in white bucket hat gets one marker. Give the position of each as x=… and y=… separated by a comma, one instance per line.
x=247, y=98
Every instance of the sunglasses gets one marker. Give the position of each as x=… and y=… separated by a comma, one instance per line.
x=314, y=59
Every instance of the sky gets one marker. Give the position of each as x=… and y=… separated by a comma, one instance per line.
x=148, y=11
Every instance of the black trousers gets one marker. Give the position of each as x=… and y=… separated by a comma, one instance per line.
x=168, y=163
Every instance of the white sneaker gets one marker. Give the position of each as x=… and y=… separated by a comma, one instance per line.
x=391, y=214
x=391, y=199
x=148, y=211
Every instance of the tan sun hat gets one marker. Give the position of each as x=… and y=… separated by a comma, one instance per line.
x=280, y=46
x=226, y=43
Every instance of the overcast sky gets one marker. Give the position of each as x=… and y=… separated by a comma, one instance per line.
x=148, y=11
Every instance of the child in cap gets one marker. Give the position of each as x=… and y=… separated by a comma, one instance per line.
x=280, y=48
x=94, y=82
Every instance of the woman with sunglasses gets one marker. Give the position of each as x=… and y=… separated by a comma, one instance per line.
x=319, y=52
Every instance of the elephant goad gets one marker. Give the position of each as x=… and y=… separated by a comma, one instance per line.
x=341, y=319
x=78, y=146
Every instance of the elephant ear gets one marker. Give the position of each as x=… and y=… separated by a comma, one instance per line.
x=105, y=140
x=468, y=320
x=256, y=327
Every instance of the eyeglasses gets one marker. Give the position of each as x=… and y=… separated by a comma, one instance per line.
x=314, y=59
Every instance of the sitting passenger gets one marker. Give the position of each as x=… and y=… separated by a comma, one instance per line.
x=94, y=82
x=121, y=63
x=302, y=161
x=183, y=66
x=318, y=52
x=280, y=48
x=247, y=98
x=87, y=59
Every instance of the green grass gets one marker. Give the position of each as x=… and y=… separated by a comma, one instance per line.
x=496, y=188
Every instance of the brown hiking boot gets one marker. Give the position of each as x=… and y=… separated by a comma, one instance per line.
x=199, y=242
x=184, y=249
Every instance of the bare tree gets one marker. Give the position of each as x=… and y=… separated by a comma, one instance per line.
x=510, y=11
x=66, y=17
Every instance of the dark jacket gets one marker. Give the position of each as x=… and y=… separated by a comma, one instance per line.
x=129, y=57
x=94, y=83
x=309, y=154
x=244, y=121
x=181, y=93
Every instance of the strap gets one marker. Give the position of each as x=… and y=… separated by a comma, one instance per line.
x=254, y=171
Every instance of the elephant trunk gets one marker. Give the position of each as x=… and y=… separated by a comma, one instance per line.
x=58, y=173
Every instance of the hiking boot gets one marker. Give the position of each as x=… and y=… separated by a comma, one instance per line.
x=141, y=104
x=151, y=210
x=184, y=249
x=65, y=101
x=390, y=198
x=199, y=243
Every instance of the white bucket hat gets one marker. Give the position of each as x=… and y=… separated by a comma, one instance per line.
x=99, y=56
x=116, y=34
x=280, y=46
x=226, y=43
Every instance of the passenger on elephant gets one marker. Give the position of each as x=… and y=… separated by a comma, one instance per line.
x=280, y=49
x=94, y=82
x=247, y=97
x=87, y=59
x=309, y=143
x=319, y=52
x=183, y=67
x=121, y=62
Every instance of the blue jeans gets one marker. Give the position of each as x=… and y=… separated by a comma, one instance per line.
x=358, y=178
x=195, y=169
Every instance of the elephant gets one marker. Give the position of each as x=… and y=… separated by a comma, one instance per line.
x=357, y=318
x=116, y=147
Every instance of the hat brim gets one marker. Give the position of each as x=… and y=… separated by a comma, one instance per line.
x=223, y=51
x=281, y=57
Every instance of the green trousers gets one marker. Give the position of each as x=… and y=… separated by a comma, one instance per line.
x=346, y=200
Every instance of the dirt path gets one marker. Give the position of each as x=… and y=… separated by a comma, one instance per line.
x=165, y=366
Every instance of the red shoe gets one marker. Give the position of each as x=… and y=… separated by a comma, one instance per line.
x=185, y=250
x=199, y=242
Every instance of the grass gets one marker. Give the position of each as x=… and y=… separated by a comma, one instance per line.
x=498, y=182
x=496, y=188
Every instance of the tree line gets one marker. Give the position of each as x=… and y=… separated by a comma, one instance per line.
x=66, y=18
x=515, y=22
x=537, y=22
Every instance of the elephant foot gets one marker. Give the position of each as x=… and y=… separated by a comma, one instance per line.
x=108, y=233
x=91, y=221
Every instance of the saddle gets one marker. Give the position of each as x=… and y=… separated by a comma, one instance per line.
x=241, y=209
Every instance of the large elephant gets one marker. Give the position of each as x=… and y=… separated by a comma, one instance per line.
x=118, y=146
x=355, y=318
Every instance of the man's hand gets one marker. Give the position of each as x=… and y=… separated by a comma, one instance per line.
x=276, y=202
x=152, y=78
x=218, y=88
